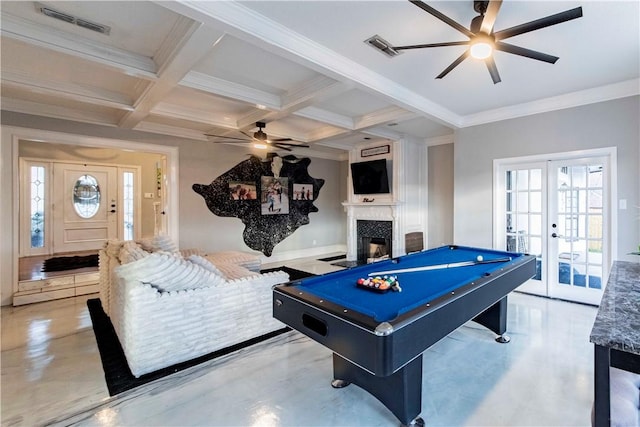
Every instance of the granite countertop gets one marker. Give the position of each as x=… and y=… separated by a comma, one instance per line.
x=617, y=323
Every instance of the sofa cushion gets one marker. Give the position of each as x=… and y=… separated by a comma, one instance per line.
x=169, y=273
x=235, y=272
x=130, y=251
x=625, y=398
x=244, y=259
x=204, y=263
x=159, y=243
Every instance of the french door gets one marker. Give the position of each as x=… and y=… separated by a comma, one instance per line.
x=558, y=210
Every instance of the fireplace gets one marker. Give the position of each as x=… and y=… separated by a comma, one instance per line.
x=374, y=239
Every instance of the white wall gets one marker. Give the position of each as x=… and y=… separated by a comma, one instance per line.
x=416, y=189
x=606, y=124
x=440, y=195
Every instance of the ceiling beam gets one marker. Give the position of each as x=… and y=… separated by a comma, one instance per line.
x=67, y=90
x=303, y=95
x=51, y=38
x=187, y=44
x=170, y=130
x=217, y=86
x=165, y=109
x=243, y=22
x=383, y=116
x=326, y=116
x=59, y=112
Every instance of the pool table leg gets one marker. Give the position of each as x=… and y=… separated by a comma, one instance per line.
x=400, y=392
x=495, y=319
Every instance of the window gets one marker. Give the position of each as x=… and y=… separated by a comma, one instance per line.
x=37, y=212
x=128, y=204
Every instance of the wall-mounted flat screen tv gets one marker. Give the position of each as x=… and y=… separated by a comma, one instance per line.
x=370, y=177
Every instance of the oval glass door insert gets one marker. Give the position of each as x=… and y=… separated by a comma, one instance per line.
x=86, y=196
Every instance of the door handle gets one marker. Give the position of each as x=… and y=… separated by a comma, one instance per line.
x=555, y=235
x=112, y=211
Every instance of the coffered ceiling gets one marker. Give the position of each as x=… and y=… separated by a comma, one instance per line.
x=217, y=67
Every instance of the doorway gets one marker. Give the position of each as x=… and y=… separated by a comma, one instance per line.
x=76, y=207
x=86, y=200
x=560, y=211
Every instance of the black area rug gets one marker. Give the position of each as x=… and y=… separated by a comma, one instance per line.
x=292, y=272
x=116, y=371
x=333, y=258
x=70, y=262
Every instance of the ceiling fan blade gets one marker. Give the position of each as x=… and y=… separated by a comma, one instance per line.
x=558, y=18
x=454, y=64
x=225, y=137
x=420, y=46
x=283, y=147
x=288, y=144
x=490, y=16
x=493, y=70
x=223, y=141
x=517, y=50
x=442, y=17
x=281, y=139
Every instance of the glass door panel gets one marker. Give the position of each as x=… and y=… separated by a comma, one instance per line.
x=525, y=219
x=576, y=223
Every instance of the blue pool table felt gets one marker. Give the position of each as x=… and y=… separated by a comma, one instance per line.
x=418, y=288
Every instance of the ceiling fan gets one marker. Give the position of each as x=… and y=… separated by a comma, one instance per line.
x=482, y=37
x=259, y=137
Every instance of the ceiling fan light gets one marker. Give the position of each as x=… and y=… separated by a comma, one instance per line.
x=260, y=146
x=481, y=49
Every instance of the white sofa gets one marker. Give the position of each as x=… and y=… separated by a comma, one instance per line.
x=168, y=308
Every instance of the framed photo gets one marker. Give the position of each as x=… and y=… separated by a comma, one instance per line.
x=242, y=190
x=374, y=151
x=302, y=191
x=274, y=195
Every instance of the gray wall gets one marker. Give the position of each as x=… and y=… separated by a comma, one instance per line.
x=203, y=162
x=606, y=124
x=440, y=230
x=200, y=162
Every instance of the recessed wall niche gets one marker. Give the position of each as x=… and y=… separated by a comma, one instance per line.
x=272, y=197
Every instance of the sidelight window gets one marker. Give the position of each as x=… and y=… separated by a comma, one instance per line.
x=37, y=186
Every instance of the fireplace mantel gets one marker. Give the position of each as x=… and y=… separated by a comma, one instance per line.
x=376, y=211
x=374, y=203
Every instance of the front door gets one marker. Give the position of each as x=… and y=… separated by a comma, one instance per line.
x=557, y=210
x=85, y=213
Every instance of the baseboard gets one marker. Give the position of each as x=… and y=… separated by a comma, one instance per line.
x=314, y=252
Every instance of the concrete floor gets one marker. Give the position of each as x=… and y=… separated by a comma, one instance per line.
x=51, y=374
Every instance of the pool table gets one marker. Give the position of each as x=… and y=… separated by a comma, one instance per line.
x=378, y=338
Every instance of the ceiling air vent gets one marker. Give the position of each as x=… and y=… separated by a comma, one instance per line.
x=53, y=13
x=382, y=45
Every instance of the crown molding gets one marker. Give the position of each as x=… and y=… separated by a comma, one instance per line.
x=569, y=100
x=439, y=140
